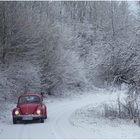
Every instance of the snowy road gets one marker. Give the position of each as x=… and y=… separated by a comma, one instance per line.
x=57, y=126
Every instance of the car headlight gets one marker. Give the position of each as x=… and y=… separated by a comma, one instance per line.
x=16, y=112
x=38, y=112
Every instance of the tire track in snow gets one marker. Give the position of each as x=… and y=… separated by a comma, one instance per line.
x=19, y=131
x=59, y=131
x=62, y=113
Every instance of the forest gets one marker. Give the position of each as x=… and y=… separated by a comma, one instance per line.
x=64, y=47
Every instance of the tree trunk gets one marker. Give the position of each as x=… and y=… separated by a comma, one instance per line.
x=4, y=34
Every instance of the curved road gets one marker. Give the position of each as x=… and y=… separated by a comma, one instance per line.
x=57, y=126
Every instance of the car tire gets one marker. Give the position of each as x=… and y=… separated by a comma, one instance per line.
x=14, y=121
x=42, y=120
x=46, y=116
x=45, y=113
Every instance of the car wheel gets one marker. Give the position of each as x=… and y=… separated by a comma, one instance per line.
x=45, y=113
x=46, y=116
x=14, y=121
x=42, y=120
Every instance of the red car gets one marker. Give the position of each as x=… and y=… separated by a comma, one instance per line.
x=30, y=107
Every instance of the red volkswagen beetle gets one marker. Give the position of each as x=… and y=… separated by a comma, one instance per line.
x=30, y=107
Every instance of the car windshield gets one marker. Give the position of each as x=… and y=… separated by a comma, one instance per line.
x=29, y=98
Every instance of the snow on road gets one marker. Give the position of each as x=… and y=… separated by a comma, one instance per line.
x=59, y=124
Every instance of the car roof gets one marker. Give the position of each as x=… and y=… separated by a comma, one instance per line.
x=27, y=94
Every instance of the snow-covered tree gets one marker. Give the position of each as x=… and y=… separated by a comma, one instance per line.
x=69, y=45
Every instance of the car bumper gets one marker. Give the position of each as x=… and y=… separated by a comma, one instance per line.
x=28, y=116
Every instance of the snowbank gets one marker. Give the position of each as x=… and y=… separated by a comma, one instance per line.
x=92, y=118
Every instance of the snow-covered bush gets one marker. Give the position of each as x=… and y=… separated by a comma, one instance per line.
x=126, y=108
x=18, y=79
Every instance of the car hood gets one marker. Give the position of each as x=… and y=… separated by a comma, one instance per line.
x=28, y=108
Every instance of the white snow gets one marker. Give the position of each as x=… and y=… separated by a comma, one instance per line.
x=91, y=119
x=71, y=118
